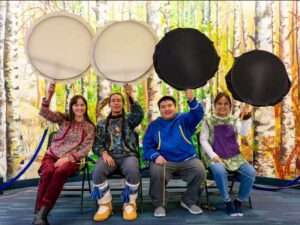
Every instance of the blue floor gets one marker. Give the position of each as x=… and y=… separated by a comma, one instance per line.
x=16, y=207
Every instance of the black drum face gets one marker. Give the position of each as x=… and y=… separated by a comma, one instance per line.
x=258, y=78
x=185, y=58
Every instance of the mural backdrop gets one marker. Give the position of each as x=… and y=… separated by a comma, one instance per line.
x=273, y=145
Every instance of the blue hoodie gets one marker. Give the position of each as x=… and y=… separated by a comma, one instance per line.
x=172, y=138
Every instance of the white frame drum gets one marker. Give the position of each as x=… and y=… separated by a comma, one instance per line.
x=123, y=51
x=58, y=46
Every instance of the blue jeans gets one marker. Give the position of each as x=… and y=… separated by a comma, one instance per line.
x=245, y=174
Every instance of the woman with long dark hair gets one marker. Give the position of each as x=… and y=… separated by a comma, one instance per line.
x=71, y=143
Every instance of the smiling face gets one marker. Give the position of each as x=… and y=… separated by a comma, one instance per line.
x=222, y=106
x=79, y=108
x=167, y=109
x=116, y=104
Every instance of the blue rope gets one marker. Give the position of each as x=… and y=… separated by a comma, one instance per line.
x=13, y=180
x=291, y=184
x=126, y=192
x=98, y=193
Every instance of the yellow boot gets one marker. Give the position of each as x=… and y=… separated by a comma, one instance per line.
x=129, y=211
x=104, y=212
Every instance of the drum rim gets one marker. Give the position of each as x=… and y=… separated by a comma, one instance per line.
x=33, y=27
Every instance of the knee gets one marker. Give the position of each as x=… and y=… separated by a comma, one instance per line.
x=199, y=171
x=218, y=169
x=99, y=176
x=133, y=178
x=62, y=171
x=133, y=175
x=251, y=172
x=47, y=172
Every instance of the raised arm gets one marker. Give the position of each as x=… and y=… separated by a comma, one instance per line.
x=244, y=123
x=195, y=115
x=45, y=111
x=136, y=113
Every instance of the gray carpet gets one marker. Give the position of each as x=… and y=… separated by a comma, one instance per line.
x=16, y=207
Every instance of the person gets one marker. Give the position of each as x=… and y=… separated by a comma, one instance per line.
x=218, y=139
x=116, y=144
x=168, y=145
x=72, y=142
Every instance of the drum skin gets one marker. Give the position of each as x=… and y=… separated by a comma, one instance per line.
x=122, y=51
x=58, y=45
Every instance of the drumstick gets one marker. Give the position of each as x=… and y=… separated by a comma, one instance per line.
x=164, y=186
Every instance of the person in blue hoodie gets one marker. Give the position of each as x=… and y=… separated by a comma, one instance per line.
x=168, y=145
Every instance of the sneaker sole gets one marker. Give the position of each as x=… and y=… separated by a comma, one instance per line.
x=192, y=212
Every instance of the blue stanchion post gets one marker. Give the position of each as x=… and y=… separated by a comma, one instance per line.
x=1, y=182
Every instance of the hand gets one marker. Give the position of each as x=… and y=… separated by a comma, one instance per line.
x=217, y=159
x=189, y=94
x=246, y=112
x=108, y=159
x=128, y=89
x=51, y=90
x=61, y=161
x=160, y=160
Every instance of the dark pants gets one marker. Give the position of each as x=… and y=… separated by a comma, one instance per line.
x=128, y=166
x=192, y=171
x=52, y=180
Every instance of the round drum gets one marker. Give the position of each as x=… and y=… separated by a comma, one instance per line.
x=58, y=45
x=122, y=51
x=185, y=58
x=258, y=78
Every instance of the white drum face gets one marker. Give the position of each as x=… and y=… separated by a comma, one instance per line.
x=122, y=51
x=59, y=46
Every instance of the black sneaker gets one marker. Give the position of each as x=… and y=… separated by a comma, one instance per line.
x=238, y=207
x=230, y=209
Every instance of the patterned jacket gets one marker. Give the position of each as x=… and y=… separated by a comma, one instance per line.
x=132, y=120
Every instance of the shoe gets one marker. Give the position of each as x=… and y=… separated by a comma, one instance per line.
x=129, y=211
x=104, y=212
x=193, y=209
x=41, y=216
x=159, y=211
x=230, y=209
x=238, y=207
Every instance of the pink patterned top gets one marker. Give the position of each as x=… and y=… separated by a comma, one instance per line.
x=73, y=139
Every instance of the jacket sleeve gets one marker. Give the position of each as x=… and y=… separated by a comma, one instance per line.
x=243, y=126
x=55, y=117
x=136, y=114
x=99, y=144
x=194, y=116
x=150, y=144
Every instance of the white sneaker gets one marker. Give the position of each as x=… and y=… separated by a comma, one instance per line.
x=159, y=211
x=193, y=209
